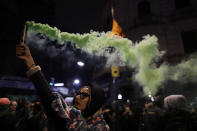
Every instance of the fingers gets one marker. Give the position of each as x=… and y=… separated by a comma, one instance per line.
x=23, y=46
x=20, y=50
x=22, y=43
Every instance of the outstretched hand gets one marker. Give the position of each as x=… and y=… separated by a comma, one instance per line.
x=23, y=53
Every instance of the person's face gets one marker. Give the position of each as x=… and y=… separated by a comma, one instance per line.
x=13, y=105
x=82, y=98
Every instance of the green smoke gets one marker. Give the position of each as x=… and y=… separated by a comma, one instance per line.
x=92, y=42
x=141, y=56
x=148, y=75
x=186, y=71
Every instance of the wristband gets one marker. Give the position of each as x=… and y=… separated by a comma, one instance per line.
x=33, y=70
x=31, y=66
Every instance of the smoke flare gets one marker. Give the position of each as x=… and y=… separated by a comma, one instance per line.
x=141, y=56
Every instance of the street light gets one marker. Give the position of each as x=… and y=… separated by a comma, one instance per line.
x=58, y=84
x=76, y=82
x=80, y=63
x=119, y=96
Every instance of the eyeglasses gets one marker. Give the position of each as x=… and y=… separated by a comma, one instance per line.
x=83, y=94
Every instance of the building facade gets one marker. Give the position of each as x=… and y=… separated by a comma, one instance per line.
x=174, y=22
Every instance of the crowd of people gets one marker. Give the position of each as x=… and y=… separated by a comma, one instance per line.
x=170, y=113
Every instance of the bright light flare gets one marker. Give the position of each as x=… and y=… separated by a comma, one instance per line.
x=119, y=96
x=59, y=84
x=76, y=81
x=80, y=63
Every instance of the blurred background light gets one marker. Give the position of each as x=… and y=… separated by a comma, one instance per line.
x=80, y=63
x=119, y=96
x=76, y=82
x=59, y=84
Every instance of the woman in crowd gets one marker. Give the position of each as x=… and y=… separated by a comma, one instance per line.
x=86, y=114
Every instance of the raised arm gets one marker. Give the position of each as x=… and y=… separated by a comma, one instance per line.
x=49, y=100
x=36, y=76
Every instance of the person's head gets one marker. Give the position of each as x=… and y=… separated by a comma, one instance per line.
x=89, y=99
x=13, y=105
x=158, y=101
x=82, y=98
x=174, y=102
x=37, y=107
x=4, y=106
x=21, y=103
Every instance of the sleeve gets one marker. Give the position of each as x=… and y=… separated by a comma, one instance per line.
x=43, y=89
x=65, y=117
x=48, y=98
x=60, y=107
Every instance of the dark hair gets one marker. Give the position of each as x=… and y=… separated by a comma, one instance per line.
x=96, y=101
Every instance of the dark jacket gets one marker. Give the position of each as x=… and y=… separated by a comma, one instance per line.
x=46, y=97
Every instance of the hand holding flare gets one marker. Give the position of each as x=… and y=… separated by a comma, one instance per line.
x=23, y=53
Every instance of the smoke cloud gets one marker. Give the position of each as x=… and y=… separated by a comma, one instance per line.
x=141, y=56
